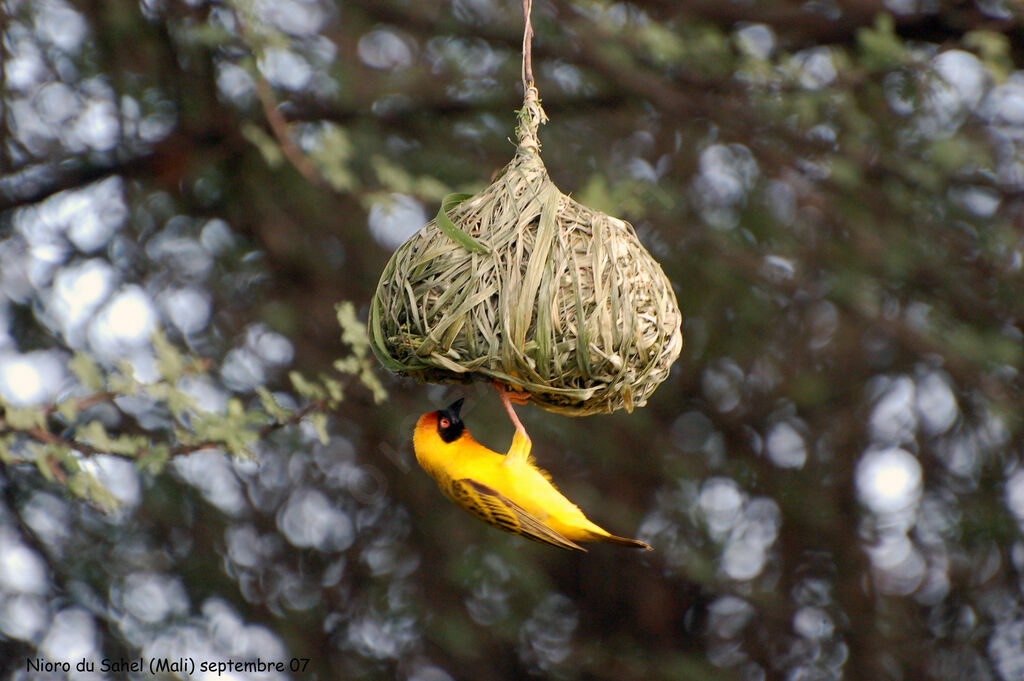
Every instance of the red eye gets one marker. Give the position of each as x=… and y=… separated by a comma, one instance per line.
x=445, y=423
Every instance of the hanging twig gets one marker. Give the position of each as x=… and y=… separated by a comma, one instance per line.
x=527, y=46
x=532, y=115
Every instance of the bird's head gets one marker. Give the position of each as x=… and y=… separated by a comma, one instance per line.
x=447, y=423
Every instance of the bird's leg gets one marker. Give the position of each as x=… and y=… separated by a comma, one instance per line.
x=506, y=401
x=521, y=444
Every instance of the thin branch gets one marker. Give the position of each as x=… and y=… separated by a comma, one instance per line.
x=44, y=436
x=277, y=122
x=279, y=126
x=527, y=45
x=85, y=402
x=266, y=430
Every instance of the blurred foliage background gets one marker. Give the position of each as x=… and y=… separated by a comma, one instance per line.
x=194, y=465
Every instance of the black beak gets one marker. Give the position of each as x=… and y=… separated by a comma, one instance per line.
x=456, y=407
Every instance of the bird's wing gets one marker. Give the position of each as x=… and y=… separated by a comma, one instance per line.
x=494, y=508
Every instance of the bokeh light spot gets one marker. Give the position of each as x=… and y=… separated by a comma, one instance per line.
x=888, y=480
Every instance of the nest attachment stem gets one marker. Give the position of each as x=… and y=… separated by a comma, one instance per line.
x=527, y=46
x=532, y=116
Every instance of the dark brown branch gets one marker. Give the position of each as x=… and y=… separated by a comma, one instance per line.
x=278, y=124
x=165, y=163
x=36, y=183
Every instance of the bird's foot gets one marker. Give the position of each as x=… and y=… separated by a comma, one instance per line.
x=518, y=396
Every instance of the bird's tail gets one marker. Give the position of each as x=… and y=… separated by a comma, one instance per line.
x=622, y=541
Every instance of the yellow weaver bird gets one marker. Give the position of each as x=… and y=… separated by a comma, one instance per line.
x=507, y=491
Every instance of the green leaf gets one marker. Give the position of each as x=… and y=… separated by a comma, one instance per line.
x=68, y=409
x=332, y=152
x=153, y=460
x=169, y=361
x=275, y=411
x=25, y=418
x=229, y=431
x=87, y=486
x=994, y=50
x=235, y=409
x=86, y=371
x=428, y=187
x=347, y=365
x=69, y=460
x=318, y=420
x=77, y=485
x=453, y=232
x=880, y=48
x=305, y=387
x=665, y=45
x=370, y=379
x=209, y=34
x=391, y=175
x=264, y=143
x=95, y=435
x=984, y=346
x=178, y=402
x=122, y=382
x=353, y=331
x=335, y=391
x=41, y=455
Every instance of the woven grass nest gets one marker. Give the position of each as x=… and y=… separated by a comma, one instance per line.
x=522, y=284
